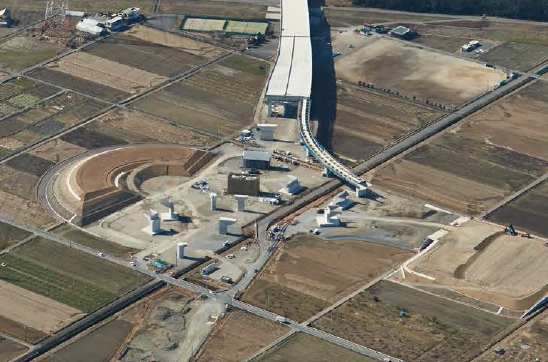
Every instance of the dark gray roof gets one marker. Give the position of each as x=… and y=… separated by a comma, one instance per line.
x=257, y=155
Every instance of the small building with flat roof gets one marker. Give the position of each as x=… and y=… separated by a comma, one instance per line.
x=403, y=33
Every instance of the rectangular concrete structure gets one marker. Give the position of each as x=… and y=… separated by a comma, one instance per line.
x=240, y=200
x=224, y=223
x=244, y=184
x=256, y=159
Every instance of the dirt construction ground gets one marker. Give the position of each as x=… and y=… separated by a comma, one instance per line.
x=481, y=261
x=505, y=151
x=413, y=71
x=238, y=336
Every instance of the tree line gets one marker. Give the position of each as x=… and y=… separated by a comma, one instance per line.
x=519, y=9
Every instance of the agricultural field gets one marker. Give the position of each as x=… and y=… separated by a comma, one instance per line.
x=415, y=72
x=305, y=348
x=229, y=9
x=10, y=349
x=240, y=335
x=220, y=100
x=98, y=346
x=45, y=119
x=310, y=273
x=511, y=55
x=106, y=72
x=158, y=41
x=19, y=179
x=69, y=81
x=20, y=52
x=344, y=18
x=521, y=45
x=527, y=213
x=504, y=152
x=36, y=312
x=412, y=325
x=22, y=93
x=97, y=243
x=529, y=343
x=30, y=11
x=121, y=124
x=10, y=235
x=480, y=261
x=56, y=272
x=367, y=120
x=57, y=150
x=152, y=52
x=447, y=44
x=125, y=64
x=499, y=31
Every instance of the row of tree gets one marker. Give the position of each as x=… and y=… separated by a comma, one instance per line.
x=518, y=9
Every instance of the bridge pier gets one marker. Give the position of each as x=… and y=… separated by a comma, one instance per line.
x=361, y=191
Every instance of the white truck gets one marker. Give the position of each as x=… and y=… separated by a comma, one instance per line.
x=282, y=320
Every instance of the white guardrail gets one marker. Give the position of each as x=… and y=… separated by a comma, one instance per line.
x=322, y=155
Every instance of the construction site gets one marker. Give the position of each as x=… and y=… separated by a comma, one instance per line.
x=270, y=181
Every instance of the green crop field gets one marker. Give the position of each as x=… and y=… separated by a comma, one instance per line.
x=23, y=100
x=54, y=285
x=81, y=266
x=69, y=276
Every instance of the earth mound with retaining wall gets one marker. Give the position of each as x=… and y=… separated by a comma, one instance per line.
x=99, y=183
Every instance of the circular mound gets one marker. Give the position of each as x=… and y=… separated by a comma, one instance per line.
x=95, y=184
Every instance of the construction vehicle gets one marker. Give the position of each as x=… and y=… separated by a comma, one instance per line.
x=510, y=230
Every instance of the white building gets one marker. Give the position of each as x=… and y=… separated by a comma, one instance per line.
x=131, y=14
x=91, y=26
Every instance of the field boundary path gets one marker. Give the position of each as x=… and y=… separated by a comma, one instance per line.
x=16, y=340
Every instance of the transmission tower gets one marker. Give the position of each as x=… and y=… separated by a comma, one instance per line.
x=57, y=9
x=56, y=17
